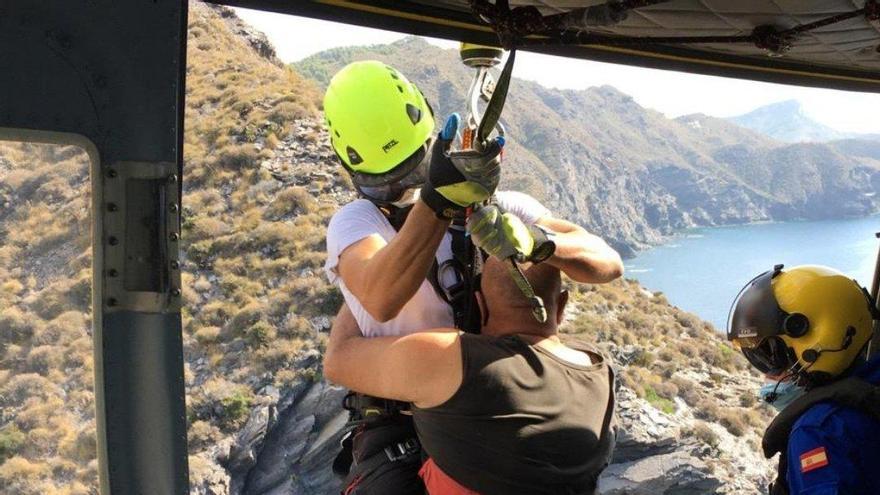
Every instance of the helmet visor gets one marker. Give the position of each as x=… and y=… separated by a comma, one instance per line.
x=756, y=321
x=390, y=186
x=755, y=311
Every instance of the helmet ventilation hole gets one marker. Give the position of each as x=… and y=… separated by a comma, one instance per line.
x=400, y=88
x=353, y=156
x=337, y=133
x=415, y=115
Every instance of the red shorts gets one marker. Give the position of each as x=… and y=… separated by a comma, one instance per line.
x=439, y=483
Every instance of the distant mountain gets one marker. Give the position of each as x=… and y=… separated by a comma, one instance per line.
x=629, y=173
x=786, y=121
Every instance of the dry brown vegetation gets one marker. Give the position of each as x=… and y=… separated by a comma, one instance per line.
x=47, y=442
x=657, y=341
x=253, y=255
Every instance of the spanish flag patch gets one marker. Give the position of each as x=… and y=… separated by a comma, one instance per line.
x=813, y=459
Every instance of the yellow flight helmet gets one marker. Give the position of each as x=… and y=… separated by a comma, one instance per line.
x=809, y=320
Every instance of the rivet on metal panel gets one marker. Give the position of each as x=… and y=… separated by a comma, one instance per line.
x=175, y=265
x=111, y=301
x=112, y=272
x=173, y=236
x=112, y=207
x=175, y=292
x=112, y=240
x=111, y=173
x=172, y=178
x=173, y=208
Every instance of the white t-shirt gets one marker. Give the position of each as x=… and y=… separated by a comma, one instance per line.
x=361, y=218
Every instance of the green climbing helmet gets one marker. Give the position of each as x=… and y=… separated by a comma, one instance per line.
x=379, y=123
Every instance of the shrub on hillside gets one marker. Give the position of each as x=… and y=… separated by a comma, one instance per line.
x=735, y=420
x=14, y=325
x=703, y=433
x=222, y=402
x=11, y=440
x=21, y=476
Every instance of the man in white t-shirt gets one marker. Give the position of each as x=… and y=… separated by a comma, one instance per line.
x=383, y=249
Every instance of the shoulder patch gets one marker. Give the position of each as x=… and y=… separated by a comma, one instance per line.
x=813, y=459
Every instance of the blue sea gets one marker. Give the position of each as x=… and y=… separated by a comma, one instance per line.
x=702, y=270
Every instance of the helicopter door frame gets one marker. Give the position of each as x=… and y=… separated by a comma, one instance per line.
x=109, y=77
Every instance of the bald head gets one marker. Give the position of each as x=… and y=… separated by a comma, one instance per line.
x=509, y=311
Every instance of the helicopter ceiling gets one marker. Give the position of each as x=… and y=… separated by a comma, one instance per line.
x=823, y=43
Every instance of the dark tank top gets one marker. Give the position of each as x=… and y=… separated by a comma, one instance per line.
x=524, y=421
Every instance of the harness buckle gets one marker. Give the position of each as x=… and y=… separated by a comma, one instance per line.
x=402, y=450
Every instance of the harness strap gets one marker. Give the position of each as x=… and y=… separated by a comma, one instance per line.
x=465, y=266
x=365, y=407
x=850, y=392
x=398, y=452
x=363, y=411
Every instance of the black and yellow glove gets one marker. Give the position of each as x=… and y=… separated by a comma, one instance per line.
x=505, y=236
x=460, y=179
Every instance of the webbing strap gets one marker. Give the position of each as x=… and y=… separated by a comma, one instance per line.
x=396, y=452
x=851, y=392
x=519, y=278
x=496, y=103
x=466, y=260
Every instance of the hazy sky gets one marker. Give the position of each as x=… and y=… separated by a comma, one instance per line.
x=672, y=93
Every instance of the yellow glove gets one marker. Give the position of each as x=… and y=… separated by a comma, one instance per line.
x=504, y=236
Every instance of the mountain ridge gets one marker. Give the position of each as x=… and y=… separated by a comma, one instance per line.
x=788, y=122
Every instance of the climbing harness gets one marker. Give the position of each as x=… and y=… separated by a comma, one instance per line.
x=379, y=438
x=457, y=279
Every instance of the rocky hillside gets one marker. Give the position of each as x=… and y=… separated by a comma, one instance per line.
x=628, y=172
x=260, y=185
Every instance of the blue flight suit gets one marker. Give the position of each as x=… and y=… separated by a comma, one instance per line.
x=835, y=450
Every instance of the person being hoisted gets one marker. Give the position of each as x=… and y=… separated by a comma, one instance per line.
x=807, y=330
x=511, y=411
x=400, y=254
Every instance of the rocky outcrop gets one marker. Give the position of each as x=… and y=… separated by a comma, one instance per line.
x=293, y=453
x=659, y=453
x=255, y=38
x=288, y=447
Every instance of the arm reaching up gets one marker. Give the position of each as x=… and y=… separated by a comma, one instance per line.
x=581, y=255
x=383, y=276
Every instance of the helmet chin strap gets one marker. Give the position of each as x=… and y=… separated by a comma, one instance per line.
x=409, y=198
x=791, y=372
